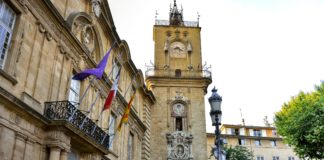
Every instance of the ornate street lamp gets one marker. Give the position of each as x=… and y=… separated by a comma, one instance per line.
x=216, y=113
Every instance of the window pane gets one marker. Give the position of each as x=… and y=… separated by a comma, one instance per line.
x=111, y=130
x=7, y=19
x=74, y=93
x=130, y=147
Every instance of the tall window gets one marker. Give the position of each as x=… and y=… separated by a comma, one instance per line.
x=178, y=73
x=235, y=131
x=257, y=132
x=274, y=133
x=116, y=68
x=179, y=124
x=257, y=142
x=74, y=94
x=275, y=157
x=130, y=146
x=273, y=143
x=291, y=158
x=73, y=155
x=7, y=21
x=241, y=141
x=260, y=158
x=111, y=129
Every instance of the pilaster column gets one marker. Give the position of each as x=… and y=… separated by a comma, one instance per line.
x=7, y=143
x=29, y=151
x=54, y=153
x=19, y=148
x=64, y=155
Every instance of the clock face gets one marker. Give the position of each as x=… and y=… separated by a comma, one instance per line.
x=177, y=50
x=178, y=109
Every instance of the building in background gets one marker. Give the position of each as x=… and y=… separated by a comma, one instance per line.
x=43, y=113
x=179, y=81
x=263, y=141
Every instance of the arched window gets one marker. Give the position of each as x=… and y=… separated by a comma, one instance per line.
x=178, y=72
x=178, y=122
x=179, y=117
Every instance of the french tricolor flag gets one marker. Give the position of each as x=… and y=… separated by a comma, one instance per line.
x=112, y=93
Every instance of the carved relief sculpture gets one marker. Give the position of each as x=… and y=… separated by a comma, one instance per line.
x=179, y=145
x=96, y=7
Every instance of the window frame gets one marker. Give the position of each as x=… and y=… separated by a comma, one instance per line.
x=72, y=90
x=111, y=129
x=130, y=146
x=8, y=30
x=259, y=142
x=273, y=143
x=259, y=158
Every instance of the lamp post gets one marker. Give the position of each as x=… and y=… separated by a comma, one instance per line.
x=215, y=101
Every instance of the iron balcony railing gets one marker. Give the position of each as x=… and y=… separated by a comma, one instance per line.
x=178, y=74
x=186, y=23
x=66, y=111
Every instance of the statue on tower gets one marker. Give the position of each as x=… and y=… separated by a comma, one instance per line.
x=176, y=16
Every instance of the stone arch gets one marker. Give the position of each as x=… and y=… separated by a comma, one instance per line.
x=141, y=77
x=178, y=115
x=81, y=25
x=125, y=51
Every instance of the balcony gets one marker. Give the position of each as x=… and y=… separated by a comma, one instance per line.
x=65, y=111
x=151, y=72
x=186, y=23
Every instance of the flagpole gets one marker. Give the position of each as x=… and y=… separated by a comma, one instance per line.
x=90, y=109
x=87, y=89
x=108, y=133
x=130, y=84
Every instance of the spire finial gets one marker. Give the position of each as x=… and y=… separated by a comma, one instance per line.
x=176, y=16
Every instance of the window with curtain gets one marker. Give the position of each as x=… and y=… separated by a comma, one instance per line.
x=7, y=21
x=111, y=129
x=130, y=146
x=116, y=67
x=74, y=94
x=275, y=157
x=273, y=143
x=257, y=142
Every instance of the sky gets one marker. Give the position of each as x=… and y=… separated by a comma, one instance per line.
x=262, y=52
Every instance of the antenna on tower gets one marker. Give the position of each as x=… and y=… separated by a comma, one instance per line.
x=266, y=122
x=156, y=14
x=243, y=122
x=198, y=17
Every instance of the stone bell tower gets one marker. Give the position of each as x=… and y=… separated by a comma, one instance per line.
x=179, y=82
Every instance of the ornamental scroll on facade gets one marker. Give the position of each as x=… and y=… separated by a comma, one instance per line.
x=179, y=146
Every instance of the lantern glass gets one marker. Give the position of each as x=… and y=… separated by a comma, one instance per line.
x=213, y=118
x=215, y=105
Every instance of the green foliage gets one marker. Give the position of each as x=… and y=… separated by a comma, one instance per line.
x=238, y=153
x=301, y=123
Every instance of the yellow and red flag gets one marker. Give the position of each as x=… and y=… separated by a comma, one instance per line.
x=126, y=113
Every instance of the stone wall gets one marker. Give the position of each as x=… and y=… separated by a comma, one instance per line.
x=49, y=44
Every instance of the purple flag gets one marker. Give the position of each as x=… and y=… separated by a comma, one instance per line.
x=98, y=71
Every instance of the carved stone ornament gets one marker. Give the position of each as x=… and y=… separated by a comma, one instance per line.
x=178, y=110
x=96, y=7
x=179, y=145
x=88, y=37
x=177, y=50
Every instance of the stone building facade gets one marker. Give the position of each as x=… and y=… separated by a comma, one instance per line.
x=263, y=141
x=46, y=115
x=179, y=81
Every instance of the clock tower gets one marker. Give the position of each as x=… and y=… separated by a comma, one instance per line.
x=179, y=82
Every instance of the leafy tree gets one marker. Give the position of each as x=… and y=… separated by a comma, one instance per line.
x=238, y=153
x=301, y=123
